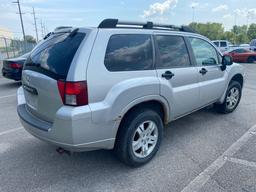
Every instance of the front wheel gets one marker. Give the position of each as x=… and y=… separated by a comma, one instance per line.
x=251, y=60
x=232, y=99
x=139, y=137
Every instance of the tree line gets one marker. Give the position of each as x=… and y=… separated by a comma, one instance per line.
x=215, y=31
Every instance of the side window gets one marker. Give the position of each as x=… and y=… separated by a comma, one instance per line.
x=216, y=43
x=241, y=51
x=173, y=51
x=223, y=44
x=129, y=52
x=238, y=51
x=204, y=52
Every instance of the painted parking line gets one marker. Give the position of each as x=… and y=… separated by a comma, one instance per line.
x=197, y=183
x=10, y=131
x=6, y=96
x=242, y=162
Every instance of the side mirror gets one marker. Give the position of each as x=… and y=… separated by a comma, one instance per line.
x=226, y=60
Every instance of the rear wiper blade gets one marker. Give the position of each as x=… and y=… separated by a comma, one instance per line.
x=73, y=33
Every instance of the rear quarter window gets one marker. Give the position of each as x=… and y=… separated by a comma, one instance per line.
x=129, y=52
x=54, y=56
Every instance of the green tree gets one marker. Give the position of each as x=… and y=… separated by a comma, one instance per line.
x=211, y=30
x=242, y=38
x=229, y=36
x=30, y=39
x=251, y=33
x=239, y=29
x=240, y=34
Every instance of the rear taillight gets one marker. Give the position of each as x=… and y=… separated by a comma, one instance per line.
x=15, y=65
x=73, y=93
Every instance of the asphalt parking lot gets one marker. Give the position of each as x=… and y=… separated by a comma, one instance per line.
x=204, y=151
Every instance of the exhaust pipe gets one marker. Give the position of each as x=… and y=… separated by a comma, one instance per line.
x=62, y=151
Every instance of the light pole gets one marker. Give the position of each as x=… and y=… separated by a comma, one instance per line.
x=21, y=20
x=193, y=16
x=235, y=25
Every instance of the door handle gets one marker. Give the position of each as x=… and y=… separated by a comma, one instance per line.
x=203, y=71
x=168, y=75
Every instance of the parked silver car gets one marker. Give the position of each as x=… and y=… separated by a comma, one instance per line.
x=118, y=85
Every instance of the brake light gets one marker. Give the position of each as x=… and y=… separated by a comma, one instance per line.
x=15, y=65
x=73, y=93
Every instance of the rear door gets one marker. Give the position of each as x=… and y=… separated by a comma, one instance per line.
x=212, y=81
x=178, y=77
x=49, y=62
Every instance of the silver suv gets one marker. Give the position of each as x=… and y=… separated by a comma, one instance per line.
x=116, y=86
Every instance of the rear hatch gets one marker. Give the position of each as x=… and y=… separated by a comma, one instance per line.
x=47, y=65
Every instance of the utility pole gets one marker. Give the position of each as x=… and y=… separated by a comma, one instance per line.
x=21, y=20
x=34, y=15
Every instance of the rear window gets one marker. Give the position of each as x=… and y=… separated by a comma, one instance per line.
x=54, y=56
x=131, y=52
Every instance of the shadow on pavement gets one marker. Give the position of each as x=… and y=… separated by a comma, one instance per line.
x=14, y=84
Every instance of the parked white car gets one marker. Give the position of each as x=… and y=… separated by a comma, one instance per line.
x=253, y=45
x=222, y=45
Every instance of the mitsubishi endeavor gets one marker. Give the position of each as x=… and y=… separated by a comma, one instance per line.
x=116, y=86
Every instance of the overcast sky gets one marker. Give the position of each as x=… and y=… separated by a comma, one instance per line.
x=55, y=13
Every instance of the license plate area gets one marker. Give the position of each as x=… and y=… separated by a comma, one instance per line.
x=31, y=96
x=32, y=101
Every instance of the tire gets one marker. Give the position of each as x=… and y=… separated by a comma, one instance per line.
x=128, y=135
x=251, y=60
x=230, y=103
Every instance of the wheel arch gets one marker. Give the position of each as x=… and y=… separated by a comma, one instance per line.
x=156, y=105
x=239, y=78
x=159, y=105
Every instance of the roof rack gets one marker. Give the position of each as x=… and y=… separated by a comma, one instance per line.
x=115, y=23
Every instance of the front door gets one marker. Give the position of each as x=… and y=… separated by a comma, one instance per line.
x=178, y=77
x=212, y=77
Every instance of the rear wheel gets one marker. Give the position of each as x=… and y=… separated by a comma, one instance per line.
x=232, y=98
x=139, y=137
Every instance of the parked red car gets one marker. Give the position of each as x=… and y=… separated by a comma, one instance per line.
x=241, y=55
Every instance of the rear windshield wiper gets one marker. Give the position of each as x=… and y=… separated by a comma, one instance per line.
x=73, y=33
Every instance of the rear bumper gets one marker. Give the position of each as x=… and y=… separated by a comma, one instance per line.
x=14, y=74
x=72, y=128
